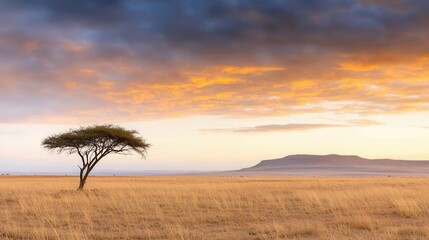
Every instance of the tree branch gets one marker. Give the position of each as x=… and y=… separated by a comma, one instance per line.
x=81, y=156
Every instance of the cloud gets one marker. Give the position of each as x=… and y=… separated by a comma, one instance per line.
x=275, y=128
x=293, y=127
x=363, y=122
x=80, y=61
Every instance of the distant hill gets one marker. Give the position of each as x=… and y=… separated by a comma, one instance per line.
x=335, y=165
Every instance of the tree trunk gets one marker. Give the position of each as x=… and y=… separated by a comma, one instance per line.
x=84, y=173
x=81, y=184
x=82, y=177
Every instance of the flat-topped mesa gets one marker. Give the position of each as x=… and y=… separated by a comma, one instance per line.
x=301, y=159
x=338, y=164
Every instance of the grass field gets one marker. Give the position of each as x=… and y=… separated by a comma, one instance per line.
x=214, y=208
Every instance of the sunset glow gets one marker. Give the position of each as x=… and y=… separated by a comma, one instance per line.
x=216, y=84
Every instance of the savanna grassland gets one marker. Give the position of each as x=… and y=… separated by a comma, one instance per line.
x=214, y=208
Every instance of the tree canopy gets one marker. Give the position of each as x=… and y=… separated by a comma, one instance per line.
x=94, y=143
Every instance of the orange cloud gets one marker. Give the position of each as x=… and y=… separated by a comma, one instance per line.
x=250, y=69
x=359, y=66
x=123, y=89
x=203, y=81
x=212, y=91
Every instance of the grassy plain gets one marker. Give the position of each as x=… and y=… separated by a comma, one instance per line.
x=214, y=208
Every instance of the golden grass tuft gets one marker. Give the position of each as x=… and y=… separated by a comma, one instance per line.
x=214, y=208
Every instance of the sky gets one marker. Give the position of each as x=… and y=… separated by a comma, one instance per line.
x=215, y=85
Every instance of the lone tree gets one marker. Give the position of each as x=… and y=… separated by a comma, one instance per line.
x=94, y=143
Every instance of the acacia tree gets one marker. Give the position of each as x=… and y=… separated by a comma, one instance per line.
x=94, y=143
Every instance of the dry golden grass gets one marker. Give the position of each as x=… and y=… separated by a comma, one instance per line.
x=214, y=208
